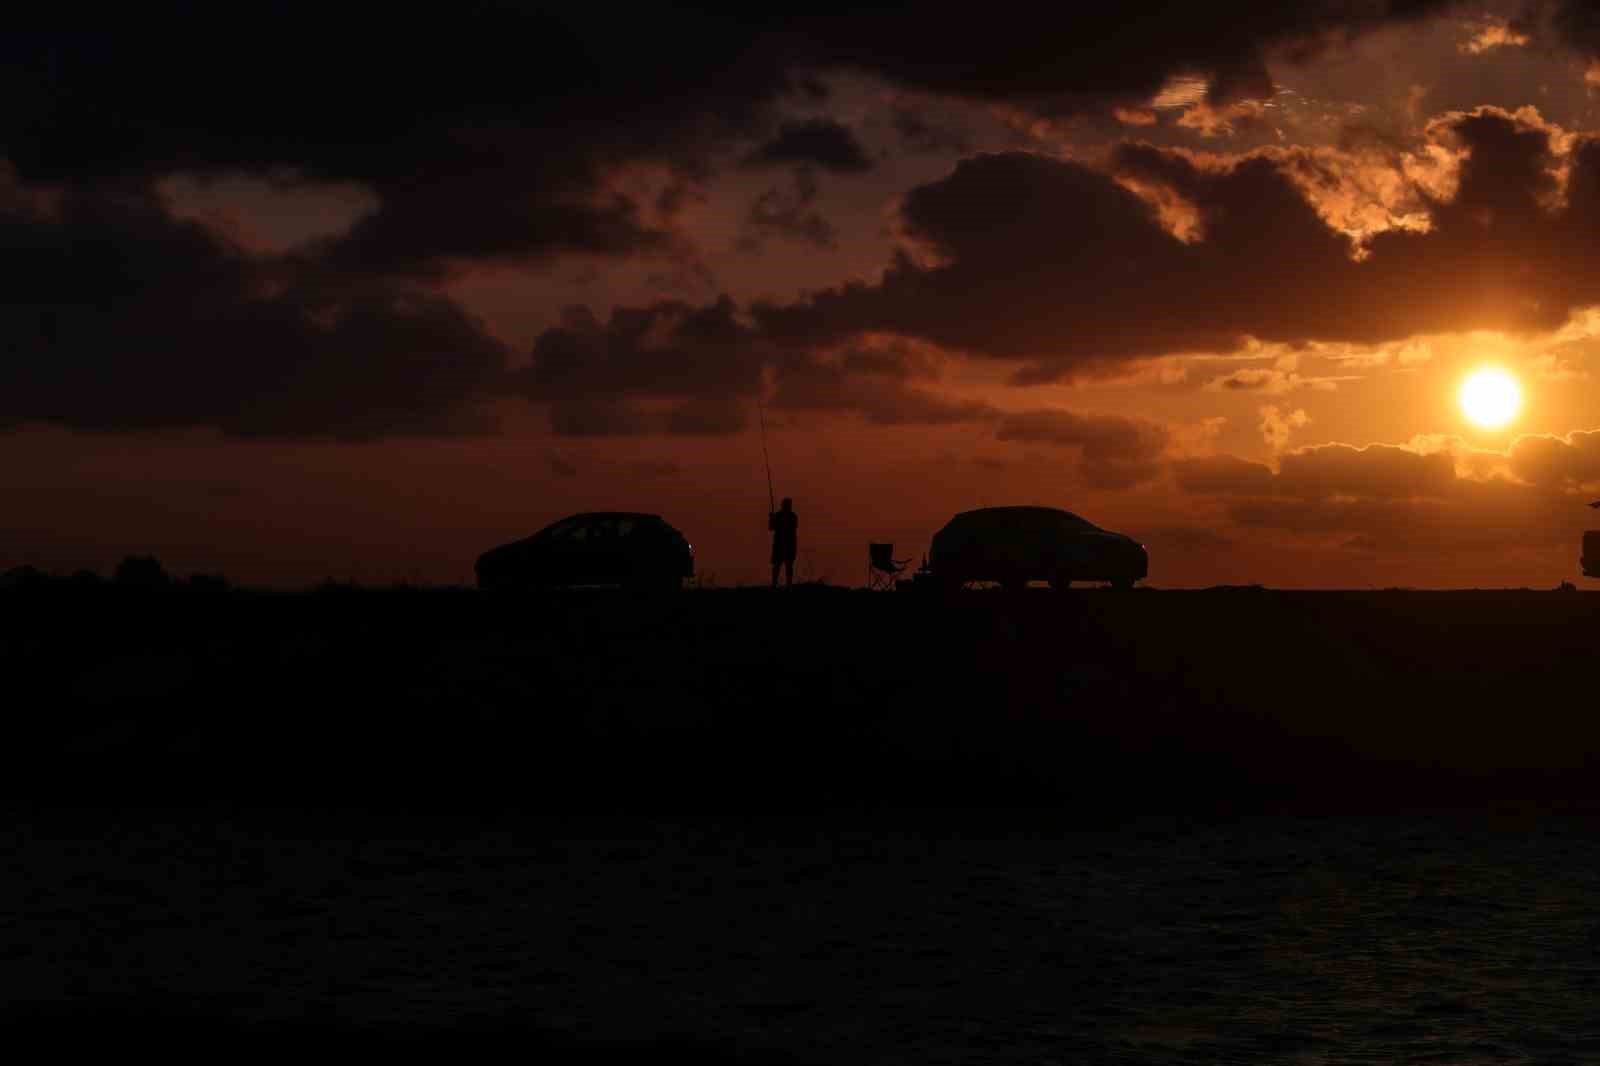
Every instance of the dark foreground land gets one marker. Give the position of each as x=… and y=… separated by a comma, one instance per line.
x=738, y=700
x=818, y=826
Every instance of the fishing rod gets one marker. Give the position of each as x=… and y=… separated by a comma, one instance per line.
x=772, y=503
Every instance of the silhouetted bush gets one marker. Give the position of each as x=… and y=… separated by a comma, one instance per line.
x=22, y=577
x=142, y=571
x=209, y=584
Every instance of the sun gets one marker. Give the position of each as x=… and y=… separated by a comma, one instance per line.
x=1490, y=398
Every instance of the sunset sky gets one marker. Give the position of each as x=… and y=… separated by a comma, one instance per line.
x=295, y=294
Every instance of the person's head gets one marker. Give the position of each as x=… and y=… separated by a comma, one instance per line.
x=788, y=504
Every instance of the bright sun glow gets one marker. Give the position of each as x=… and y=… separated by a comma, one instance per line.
x=1490, y=398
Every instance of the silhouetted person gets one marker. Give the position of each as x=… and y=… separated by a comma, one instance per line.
x=785, y=526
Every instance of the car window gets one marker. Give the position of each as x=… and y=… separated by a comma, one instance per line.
x=563, y=529
x=1072, y=523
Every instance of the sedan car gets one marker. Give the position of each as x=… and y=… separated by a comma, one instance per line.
x=603, y=548
x=1015, y=545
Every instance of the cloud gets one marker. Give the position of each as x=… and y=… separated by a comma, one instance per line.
x=1134, y=116
x=1118, y=452
x=883, y=383
x=1070, y=58
x=1491, y=33
x=1223, y=475
x=494, y=130
x=1273, y=381
x=120, y=317
x=508, y=133
x=789, y=214
x=1480, y=516
x=921, y=135
x=1209, y=121
x=1569, y=462
x=816, y=142
x=1378, y=471
x=1385, y=498
x=1066, y=272
x=1277, y=426
x=666, y=368
x=1035, y=258
x=1077, y=272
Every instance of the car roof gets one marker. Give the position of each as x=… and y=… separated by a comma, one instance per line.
x=1014, y=513
x=590, y=516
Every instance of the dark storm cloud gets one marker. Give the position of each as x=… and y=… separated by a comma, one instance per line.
x=1223, y=475
x=921, y=135
x=875, y=384
x=675, y=368
x=1574, y=22
x=506, y=118
x=1558, y=462
x=1478, y=516
x=1062, y=267
x=1065, y=58
x=1384, y=498
x=486, y=129
x=1035, y=255
x=1117, y=451
x=669, y=367
x=789, y=213
x=497, y=131
x=118, y=317
x=1379, y=471
x=818, y=142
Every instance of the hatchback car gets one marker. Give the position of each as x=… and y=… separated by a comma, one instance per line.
x=604, y=548
x=1016, y=545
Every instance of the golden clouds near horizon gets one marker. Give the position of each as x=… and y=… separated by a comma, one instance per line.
x=1490, y=397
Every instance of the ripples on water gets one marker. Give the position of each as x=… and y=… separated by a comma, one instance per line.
x=1292, y=940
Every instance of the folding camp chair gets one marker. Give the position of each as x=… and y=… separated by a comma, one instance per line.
x=883, y=570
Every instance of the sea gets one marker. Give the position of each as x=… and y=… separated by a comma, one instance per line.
x=840, y=937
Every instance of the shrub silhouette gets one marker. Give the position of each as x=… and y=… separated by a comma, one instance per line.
x=144, y=571
x=209, y=584
x=22, y=576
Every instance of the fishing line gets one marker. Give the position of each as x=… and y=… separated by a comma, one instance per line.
x=772, y=503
